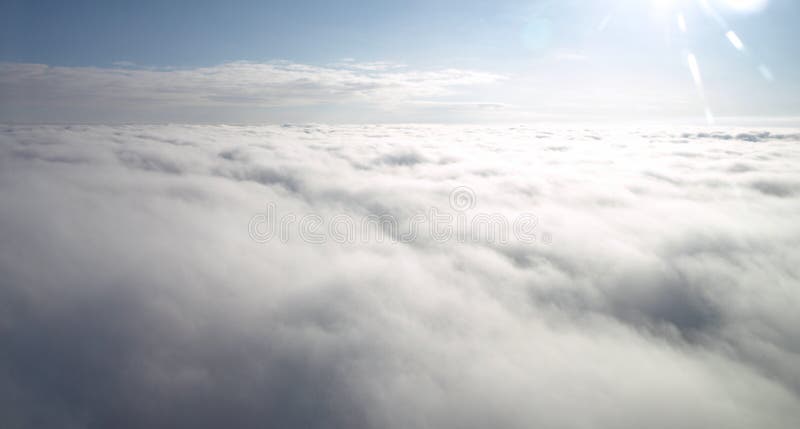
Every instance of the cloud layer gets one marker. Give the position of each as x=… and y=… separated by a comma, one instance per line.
x=351, y=92
x=133, y=296
x=245, y=90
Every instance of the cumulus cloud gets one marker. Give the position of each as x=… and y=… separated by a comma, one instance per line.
x=133, y=295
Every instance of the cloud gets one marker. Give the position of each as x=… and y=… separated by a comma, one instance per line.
x=35, y=89
x=559, y=89
x=133, y=296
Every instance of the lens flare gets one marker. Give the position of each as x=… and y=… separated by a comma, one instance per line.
x=712, y=9
x=735, y=40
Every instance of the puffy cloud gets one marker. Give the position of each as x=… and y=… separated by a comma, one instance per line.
x=133, y=295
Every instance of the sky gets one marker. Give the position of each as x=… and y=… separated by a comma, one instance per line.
x=387, y=61
x=400, y=214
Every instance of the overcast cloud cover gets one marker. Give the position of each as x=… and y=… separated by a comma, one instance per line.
x=132, y=295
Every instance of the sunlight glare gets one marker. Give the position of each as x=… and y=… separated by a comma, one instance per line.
x=735, y=40
x=745, y=6
x=681, y=23
x=694, y=67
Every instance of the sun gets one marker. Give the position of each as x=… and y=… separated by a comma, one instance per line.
x=678, y=8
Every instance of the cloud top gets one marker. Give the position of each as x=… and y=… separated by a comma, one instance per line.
x=133, y=296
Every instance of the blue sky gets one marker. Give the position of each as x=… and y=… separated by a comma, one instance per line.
x=550, y=56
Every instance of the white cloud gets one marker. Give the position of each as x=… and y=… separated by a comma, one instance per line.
x=560, y=87
x=132, y=295
x=39, y=92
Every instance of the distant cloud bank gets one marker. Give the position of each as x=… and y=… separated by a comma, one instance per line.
x=561, y=89
x=37, y=92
